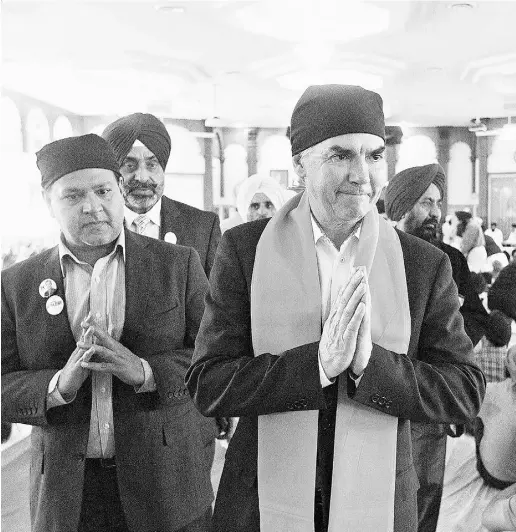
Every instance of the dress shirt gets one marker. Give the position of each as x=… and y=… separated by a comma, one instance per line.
x=100, y=290
x=152, y=228
x=334, y=272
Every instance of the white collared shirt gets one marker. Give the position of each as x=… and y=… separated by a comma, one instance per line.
x=334, y=267
x=152, y=228
x=99, y=289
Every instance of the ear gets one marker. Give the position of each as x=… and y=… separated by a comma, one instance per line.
x=297, y=163
x=45, y=194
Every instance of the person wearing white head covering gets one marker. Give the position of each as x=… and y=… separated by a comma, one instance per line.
x=260, y=196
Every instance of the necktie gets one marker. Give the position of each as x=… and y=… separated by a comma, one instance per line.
x=141, y=222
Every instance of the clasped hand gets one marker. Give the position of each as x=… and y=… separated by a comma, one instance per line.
x=346, y=338
x=110, y=357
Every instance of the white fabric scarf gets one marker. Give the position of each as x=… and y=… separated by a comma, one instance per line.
x=286, y=313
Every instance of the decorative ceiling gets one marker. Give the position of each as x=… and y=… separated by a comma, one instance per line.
x=245, y=63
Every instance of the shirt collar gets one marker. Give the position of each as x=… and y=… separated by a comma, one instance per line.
x=64, y=251
x=154, y=214
x=319, y=233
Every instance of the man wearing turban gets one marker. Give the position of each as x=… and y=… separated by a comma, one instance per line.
x=327, y=332
x=413, y=200
x=142, y=147
x=96, y=335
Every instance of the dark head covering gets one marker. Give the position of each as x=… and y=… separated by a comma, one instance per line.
x=326, y=111
x=68, y=155
x=498, y=330
x=502, y=294
x=406, y=187
x=146, y=128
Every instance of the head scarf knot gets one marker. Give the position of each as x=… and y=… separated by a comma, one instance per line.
x=407, y=186
x=146, y=128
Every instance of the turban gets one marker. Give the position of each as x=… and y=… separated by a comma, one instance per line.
x=146, y=128
x=255, y=184
x=68, y=155
x=406, y=187
x=326, y=111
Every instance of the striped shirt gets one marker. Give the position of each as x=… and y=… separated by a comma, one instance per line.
x=99, y=290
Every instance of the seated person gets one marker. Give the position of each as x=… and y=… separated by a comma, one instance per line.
x=492, y=352
x=496, y=430
x=500, y=514
x=475, y=474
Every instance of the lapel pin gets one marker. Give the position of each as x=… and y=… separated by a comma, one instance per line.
x=47, y=288
x=171, y=238
x=55, y=305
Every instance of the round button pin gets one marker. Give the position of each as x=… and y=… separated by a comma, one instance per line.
x=47, y=288
x=55, y=305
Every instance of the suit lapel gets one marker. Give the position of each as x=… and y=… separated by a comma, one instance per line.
x=138, y=273
x=170, y=219
x=58, y=325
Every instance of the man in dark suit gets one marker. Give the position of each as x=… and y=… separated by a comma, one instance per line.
x=142, y=147
x=97, y=334
x=326, y=331
x=413, y=200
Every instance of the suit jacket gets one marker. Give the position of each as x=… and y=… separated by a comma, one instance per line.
x=162, y=444
x=436, y=381
x=192, y=227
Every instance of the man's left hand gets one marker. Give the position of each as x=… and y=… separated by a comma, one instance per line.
x=113, y=358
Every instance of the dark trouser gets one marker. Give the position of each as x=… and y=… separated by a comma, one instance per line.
x=101, y=507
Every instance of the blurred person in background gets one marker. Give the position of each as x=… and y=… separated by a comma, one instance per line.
x=480, y=478
x=491, y=353
x=473, y=242
x=495, y=233
x=259, y=197
x=97, y=334
x=142, y=147
x=511, y=239
x=500, y=513
x=413, y=200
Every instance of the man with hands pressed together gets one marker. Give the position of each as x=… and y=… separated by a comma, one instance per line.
x=326, y=331
x=117, y=444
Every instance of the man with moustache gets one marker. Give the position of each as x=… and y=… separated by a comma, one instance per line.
x=413, y=200
x=142, y=147
x=97, y=334
x=327, y=332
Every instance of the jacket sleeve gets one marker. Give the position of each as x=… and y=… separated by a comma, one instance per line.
x=225, y=378
x=24, y=392
x=442, y=384
x=213, y=244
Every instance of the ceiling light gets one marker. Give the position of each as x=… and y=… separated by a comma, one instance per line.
x=171, y=9
x=459, y=6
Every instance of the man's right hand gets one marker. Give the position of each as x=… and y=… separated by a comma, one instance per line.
x=340, y=333
x=73, y=374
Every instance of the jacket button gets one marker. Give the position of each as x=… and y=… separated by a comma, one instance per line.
x=388, y=404
x=381, y=401
x=375, y=398
x=289, y=406
x=170, y=395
